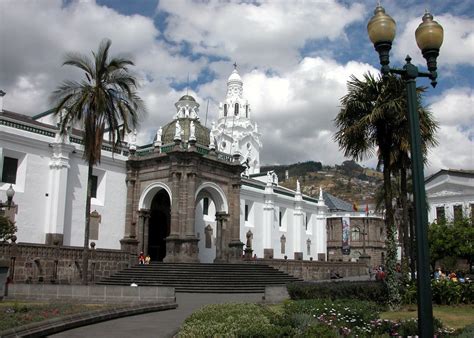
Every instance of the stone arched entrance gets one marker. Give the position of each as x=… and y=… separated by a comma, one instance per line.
x=211, y=216
x=159, y=225
x=154, y=220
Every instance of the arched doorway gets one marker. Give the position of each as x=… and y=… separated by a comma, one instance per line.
x=159, y=225
x=210, y=199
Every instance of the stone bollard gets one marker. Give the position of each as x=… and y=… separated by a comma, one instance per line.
x=4, y=273
x=268, y=253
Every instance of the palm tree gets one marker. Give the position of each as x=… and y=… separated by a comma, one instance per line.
x=373, y=116
x=104, y=101
x=402, y=163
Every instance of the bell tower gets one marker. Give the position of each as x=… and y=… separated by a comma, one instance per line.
x=235, y=132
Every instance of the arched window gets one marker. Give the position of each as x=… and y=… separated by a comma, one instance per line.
x=236, y=109
x=247, y=111
x=355, y=236
x=225, y=109
x=205, y=206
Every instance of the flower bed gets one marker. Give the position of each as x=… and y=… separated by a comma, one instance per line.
x=15, y=314
x=309, y=318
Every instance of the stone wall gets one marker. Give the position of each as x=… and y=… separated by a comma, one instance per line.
x=315, y=270
x=91, y=293
x=373, y=240
x=38, y=263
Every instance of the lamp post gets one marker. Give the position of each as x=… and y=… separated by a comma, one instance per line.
x=10, y=193
x=429, y=37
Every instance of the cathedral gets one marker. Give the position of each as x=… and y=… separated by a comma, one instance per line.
x=195, y=194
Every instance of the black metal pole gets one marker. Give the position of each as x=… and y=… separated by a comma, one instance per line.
x=425, y=308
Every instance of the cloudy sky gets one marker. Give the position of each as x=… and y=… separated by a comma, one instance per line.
x=295, y=58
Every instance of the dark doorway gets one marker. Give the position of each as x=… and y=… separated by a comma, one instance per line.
x=159, y=226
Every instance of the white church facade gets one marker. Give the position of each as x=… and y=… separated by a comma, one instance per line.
x=194, y=194
x=450, y=195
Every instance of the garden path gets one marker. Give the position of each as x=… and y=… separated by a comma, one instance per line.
x=156, y=324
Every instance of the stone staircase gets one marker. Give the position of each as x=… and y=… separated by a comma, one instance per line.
x=202, y=278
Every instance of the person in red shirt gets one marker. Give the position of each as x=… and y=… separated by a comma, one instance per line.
x=141, y=258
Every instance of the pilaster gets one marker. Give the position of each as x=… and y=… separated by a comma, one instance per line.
x=57, y=190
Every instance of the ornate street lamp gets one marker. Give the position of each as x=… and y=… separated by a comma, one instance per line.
x=429, y=37
x=10, y=194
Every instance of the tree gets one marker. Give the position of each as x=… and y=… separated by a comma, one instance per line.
x=7, y=228
x=401, y=164
x=374, y=115
x=102, y=102
x=450, y=241
x=369, y=119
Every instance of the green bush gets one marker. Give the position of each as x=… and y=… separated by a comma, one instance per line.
x=467, y=332
x=404, y=328
x=343, y=314
x=369, y=291
x=444, y=292
x=249, y=320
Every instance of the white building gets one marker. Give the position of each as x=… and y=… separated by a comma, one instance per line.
x=450, y=194
x=49, y=177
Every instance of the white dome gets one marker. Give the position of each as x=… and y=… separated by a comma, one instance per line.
x=234, y=77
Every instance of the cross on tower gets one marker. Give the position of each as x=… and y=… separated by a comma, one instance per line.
x=235, y=65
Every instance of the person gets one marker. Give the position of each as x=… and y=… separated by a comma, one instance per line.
x=147, y=259
x=141, y=258
x=380, y=275
x=453, y=277
x=371, y=272
x=334, y=275
x=437, y=274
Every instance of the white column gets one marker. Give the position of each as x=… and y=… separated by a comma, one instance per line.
x=298, y=217
x=58, y=182
x=321, y=225
x=268, y=216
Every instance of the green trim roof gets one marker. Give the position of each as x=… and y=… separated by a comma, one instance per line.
x=43, y=114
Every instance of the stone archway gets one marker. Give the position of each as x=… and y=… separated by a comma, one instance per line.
x=159, y=226
x=214, y=191
x=211, y=214
x=149, y=193
x=154, y=220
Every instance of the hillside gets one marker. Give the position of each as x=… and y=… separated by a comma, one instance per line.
x=348, y=181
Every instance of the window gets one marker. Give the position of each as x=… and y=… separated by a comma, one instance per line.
x=94, y=180
x=247, y=111
x=94, y=225
x=282, y=244
x=246, y=212
x=225, y=109
x=10, y=166
x=236, y=109
x=205, y=206
x=355, y=235
x=280, y=218
x=440, y=215
x=457, y=212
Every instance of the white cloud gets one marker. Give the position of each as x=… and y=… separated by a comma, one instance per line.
x=458, y=44
x=294, y=97
x=453, y=109
x=266, y=34
x=39, y=33
x=295, y=110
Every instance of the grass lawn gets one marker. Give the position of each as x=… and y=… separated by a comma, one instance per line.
x=454, y=316
x=15, y=314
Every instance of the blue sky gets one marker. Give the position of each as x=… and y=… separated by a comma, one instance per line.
x=294, y=57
